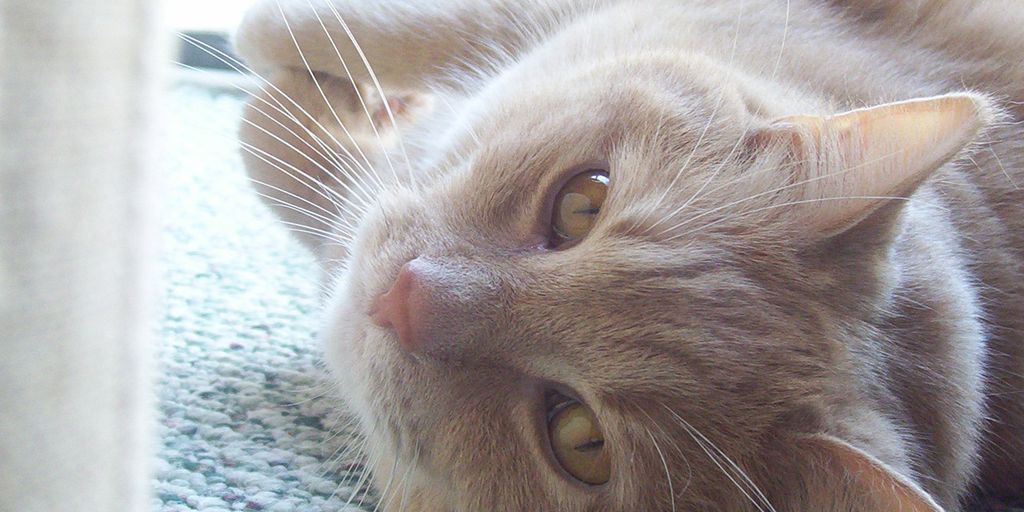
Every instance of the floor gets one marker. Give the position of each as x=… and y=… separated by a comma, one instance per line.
x=246, y=421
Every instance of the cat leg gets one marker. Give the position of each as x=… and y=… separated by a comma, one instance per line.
x=407, y=43
x=311, y=149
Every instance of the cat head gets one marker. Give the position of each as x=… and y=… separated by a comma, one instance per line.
x=631, y=297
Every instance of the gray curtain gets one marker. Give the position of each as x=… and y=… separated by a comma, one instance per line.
x=77, y=93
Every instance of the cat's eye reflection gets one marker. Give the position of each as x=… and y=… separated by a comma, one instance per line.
x=578, y=443
x=577, y=205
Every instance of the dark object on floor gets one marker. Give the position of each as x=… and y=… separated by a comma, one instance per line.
x=194, y=50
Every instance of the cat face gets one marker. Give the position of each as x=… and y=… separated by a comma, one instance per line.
x=697, y=320
x=664, y=334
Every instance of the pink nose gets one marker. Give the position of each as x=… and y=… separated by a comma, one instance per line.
x=397, y=308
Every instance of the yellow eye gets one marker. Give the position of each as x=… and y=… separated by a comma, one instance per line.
x=577, y=205
x=578, y=444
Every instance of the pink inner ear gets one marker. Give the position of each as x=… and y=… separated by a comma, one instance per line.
x=867, y=476
x=852, y=163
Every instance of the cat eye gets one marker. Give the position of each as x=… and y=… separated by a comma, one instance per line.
x=577, y=205
x=578, y=443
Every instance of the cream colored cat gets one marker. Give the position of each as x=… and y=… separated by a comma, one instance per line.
x=661, y=255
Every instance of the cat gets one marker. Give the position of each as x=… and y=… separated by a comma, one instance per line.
x=741, y=255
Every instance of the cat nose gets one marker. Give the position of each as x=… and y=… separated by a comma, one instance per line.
x=397, y=308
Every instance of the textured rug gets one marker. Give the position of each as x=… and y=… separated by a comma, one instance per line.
x=244, y=423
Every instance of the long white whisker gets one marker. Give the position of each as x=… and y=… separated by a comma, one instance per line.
x=743, y=474
x=362, y=481
x=363, y=200
x=326, y=153
x=239, y=66
x=405, y=490
x=664, y=463
x=319, y=88
x=380, y=91
x=348, y=73
x=326, y=235
x=333, y=221
x=387, y=485
x=746, y=127
x=693, y=433
x=334, y=159
x=263, y=155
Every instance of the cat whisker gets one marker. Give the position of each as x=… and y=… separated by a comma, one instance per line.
x=328, y=236
x=364, y=477
x=264, y=155
x=325, y=235
x=717, y=456
x=704, y=131
x=364, y=200
x=380, y=91
x=334, y=222
x=258, y=153
x=344, y=452
x=674, y=444
x=403, y=484
x=332, y=157
x=782, y=45
x=327, y=154
x=999, y=162
x=698, y=194
x=359, y=92
x=240, y=67
x=664, y=463
x=359, y=487
x=746, y=127
x=387, y=484
x=323, y=95
x=359, y=466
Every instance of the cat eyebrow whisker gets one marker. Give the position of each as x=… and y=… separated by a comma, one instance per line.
x=794, y=203
x=774, y=191
x=746, y=128
x=325, y=152
x=707, y=126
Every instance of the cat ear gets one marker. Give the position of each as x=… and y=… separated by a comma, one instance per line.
x=840, y=477
x=849, y=165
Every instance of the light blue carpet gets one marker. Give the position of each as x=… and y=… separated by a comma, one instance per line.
x=243, y=424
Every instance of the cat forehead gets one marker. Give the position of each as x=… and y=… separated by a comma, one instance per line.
x=528, y=139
